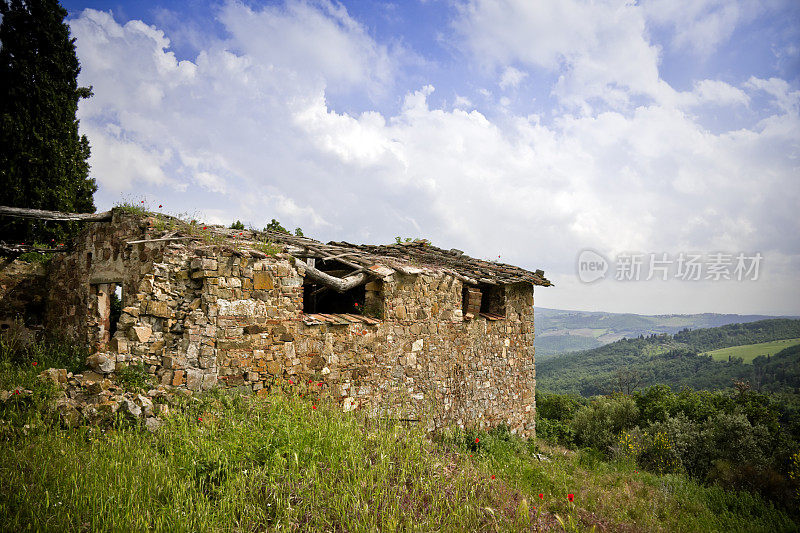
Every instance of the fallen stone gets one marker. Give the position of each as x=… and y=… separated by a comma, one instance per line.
x=101, y=363
x=131, y=408
x=152, y=424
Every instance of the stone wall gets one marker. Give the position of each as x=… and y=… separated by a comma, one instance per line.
x=23, y=294
x=202, y=315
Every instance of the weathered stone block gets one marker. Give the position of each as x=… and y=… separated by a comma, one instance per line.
x=140, y=333
x=194, y=379
x=101, y=363
x=159, y=309
x=262, y=281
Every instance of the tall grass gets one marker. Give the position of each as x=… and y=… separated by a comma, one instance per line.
x=225, y=462
x=234, y=463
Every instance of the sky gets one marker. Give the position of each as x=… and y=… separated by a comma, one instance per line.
x=633, y=135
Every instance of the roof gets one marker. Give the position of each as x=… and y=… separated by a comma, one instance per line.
x=410, y=258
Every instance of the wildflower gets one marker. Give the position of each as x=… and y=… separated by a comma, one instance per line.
x=541, y=496
x=199, y=418
x=34, y=363
x=309, y=380
x=160, y=206
x=356, y=304
x=492, y=476
x=205, y=227
x=16, y=391
x=313, y=406
x=571, y=497
x=477, y=440
x=320, y=384
x=291, y=382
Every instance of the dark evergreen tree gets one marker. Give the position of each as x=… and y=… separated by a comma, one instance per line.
x=43, y=159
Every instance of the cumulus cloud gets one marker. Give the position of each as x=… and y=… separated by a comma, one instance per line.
x=700, y=26
x=511, y=77
x=246, y=129
x=598, y=47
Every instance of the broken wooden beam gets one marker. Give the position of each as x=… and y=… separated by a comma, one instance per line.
x=337, y=284
x=39, y=214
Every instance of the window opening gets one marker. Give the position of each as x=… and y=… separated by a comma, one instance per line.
x=318, y=298
x=115, y=309
x=493, y=299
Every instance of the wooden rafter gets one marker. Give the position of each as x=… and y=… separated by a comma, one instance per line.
x=39, y=214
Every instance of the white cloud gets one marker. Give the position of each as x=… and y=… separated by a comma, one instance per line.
x=313, y=40
x=511, y=77
x=782, y=95
x=462, y=101
x=248, y=119
x=598, y=47
x=700, y=26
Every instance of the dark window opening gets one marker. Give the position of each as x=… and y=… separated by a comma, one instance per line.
x=320, y=299
x=115, y=309
x=493, y=299
x=89, y=260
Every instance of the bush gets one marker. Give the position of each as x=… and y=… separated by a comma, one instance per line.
x=598, y=424
x=555, y=431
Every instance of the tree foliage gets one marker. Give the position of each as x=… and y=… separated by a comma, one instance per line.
x=43, y=158
x=676, y=360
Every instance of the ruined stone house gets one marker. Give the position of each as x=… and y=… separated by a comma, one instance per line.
x=408, y=329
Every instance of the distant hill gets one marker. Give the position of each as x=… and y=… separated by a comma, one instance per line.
x=560, y=331
x=676, y=360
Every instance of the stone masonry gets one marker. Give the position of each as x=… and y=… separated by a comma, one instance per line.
x=215, y=310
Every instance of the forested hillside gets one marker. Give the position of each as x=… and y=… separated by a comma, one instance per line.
x=629, y=364
x=560, y=331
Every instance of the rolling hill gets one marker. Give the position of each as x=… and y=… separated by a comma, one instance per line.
x=561, y=331
x=676, y=360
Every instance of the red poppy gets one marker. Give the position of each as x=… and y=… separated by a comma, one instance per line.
x=309, y=381
x=199, y=418
x=356, y=304
x=477, y=439
x=291, y=382
x=541, y=496
x=34, y=363
x=160, y=206
x=492, y=476
x=16, y=391
x=320, y=384
x=313, y=406
x=204, y=227
x=570, y=497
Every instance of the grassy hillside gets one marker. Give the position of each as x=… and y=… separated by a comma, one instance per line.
x=673, y=360
x=226, y=462
x=245, y=464
x=561, y=331
x=748, y=352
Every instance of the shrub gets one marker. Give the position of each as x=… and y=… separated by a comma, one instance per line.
x=555, y=431
x=598, y=424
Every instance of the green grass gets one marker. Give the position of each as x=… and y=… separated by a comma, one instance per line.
x=748, y=352
x=234, y=463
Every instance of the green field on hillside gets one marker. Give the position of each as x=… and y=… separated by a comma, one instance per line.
x=748, y=352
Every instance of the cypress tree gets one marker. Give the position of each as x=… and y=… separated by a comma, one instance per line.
x=43, y=159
